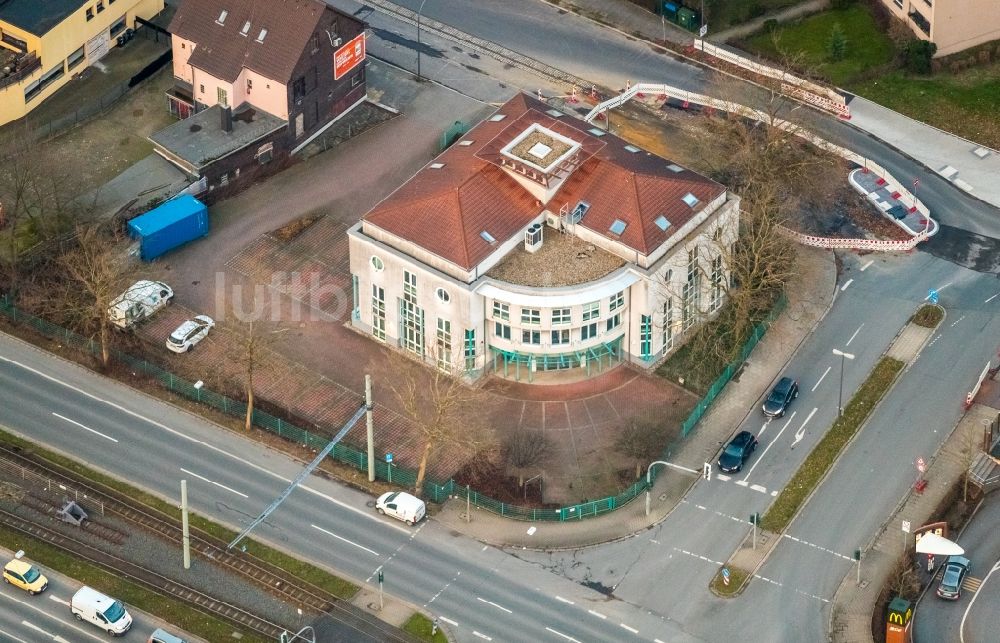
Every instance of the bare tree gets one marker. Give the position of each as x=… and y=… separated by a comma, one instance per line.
x=443, y=410
x=254, y=340
x=99, y=273
x=524, y=449
x=643, y=439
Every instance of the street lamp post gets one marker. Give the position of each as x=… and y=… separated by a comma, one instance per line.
x=649, y=479
x=419, y=11
x=843, y=358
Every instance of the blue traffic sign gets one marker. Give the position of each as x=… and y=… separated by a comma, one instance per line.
x=932, y=295
x=388, y=457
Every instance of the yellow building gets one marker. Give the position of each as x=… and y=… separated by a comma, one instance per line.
x=952, y=25
x=43, y=44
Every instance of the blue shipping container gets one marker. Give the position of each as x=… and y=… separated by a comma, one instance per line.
x=172, y=224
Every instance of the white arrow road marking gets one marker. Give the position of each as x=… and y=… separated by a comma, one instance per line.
x=801, y=433
x=854, y=335
x=330, y=533
x=747, y=477
x=763, y=427
x=85, y=428
x=815, y=386
x=499, y=607
x=221, y=486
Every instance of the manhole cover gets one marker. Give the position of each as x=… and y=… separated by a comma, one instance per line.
x=370, y=504
x=663, y=497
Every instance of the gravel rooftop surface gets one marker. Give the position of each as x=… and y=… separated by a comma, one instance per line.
x=563, y=260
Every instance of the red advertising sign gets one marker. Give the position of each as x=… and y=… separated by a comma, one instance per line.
x=349, y=56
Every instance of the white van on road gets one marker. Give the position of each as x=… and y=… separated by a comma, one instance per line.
x=103, y=611
x=402, y=506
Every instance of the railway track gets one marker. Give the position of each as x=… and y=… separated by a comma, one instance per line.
x=270, y=577
x=144, y=576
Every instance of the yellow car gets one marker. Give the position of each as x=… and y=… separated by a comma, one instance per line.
x=25, y=576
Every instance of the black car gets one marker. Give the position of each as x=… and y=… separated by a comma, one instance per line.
x=951, y=582
x=781, y=396
x=737, y=452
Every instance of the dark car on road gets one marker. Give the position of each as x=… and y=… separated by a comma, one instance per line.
x=955, y=571
x=781, y=396
x=737, y=452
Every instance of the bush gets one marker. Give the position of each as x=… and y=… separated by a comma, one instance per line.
x=929, y=316
x=836, y=45
x=917, y=55
x=770, y=25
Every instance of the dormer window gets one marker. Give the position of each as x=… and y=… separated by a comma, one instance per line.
x=222, y=17
x=246, y=28
x=261, y=35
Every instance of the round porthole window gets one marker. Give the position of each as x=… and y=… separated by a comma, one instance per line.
x=377, y=264
x=443, y=295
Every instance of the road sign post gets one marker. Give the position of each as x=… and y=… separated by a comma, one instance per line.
x=381, y=578
x=725, y=576
x=388, y=461
x=857, y=557
x=906, y=530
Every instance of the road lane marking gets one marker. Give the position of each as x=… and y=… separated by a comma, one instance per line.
x=961, y=626
x=957, y=320
x=742, y=483
x=482, y=636
x=69, y=624
x=53, y=597
x=992, y=298
x=564, y=600
x=687, y=553
x=723, y=477
x=565, y=636
x=499, y=607
x=757, y=487
x=770, y=444
x=801, y=433
x=212, y=447
x=448, y=621
x=854, y=335
x=85, y=428
x=597, y=614
x=846, y=284
x=12, y=637
x=820, y=379
x=221, y=486
x=865, y=267
x=630, y=629
x=330, y=533
x=819, y=547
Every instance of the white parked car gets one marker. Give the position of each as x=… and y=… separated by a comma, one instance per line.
x=402, y=506
x=190, y=333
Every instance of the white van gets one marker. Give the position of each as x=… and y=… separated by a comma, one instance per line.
x=103, y=611
x=141, y=300
x=401, y=505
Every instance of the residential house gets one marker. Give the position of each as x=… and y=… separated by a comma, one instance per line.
x=44, y=44
x=256, y=80
x=952, y=25
x=540, y=242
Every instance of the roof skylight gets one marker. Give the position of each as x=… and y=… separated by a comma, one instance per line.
x=246, y=28
x=554, y=113
x=673, y=167
x=618, y=227
x=691, y=200
x=597, y=132
x=465, y=143
x=436, y=166
x=487, y=237
x=632, y=148
x=261, y=35
x=222, y=17
x=497, y=117
x=662, y=223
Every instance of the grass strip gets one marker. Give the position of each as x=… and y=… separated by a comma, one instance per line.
x=337, y=586
x=132, y=594
x=421, y=627
x=822, y=457
x=928, y=316
x=737, y=577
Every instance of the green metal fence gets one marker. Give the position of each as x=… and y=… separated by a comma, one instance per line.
x=727, y=373
x=434, y=490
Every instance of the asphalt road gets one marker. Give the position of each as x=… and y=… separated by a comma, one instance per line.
x=46, y=617
x=473, y=588
x=939, y=621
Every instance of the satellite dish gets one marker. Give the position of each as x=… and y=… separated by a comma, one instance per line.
x=931, y=543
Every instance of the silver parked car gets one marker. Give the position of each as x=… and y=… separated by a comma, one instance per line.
x=190, y=333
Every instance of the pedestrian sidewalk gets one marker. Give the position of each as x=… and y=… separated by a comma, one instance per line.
x=810, y=297
x=968, y=165
x=853, y=603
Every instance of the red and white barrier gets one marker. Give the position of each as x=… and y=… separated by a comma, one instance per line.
x=975, y=390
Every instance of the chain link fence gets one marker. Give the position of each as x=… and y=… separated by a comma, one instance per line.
x=434, y=490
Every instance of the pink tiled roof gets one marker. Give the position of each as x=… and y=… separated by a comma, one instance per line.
x=444, y=210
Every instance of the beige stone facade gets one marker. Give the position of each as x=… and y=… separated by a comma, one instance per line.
x=952, y=25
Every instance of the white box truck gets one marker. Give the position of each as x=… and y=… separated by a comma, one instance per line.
x=103, y=611
x=141, y=300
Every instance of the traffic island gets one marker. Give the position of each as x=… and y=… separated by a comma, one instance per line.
x=729, y=581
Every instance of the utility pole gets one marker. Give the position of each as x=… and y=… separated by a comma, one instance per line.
x=381, y=577
x=186, y=537
x=371, y=428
